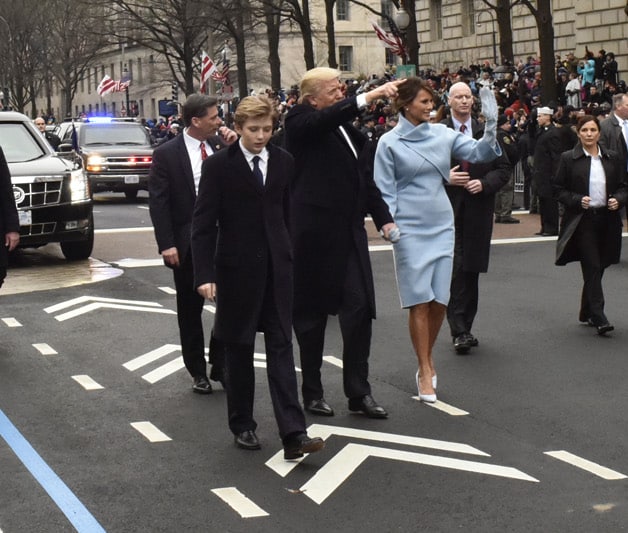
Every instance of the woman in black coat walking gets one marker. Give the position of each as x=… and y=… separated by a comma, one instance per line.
x=591, y=184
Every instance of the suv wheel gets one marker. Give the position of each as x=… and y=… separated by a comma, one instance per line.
x=77, y=250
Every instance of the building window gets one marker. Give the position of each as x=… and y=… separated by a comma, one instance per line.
x=342, y=10
x=345, y=58
x=391, y=59
x=436, y=20
x=386, y=9
x=467, y=12
x=139, y=70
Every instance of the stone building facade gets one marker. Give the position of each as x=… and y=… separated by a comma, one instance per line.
x=451, y=33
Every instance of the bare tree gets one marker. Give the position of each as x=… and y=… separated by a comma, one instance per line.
x=72, y=44
x=504, y=27
x=272, y=18
x=299, y=12
x=237, y=22
x=175, y=29
x=331, y=33
x=22, y=60
x=409, y=35
x=542, y=13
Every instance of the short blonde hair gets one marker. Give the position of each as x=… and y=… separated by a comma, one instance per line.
x=255, y=107
x=311, y=80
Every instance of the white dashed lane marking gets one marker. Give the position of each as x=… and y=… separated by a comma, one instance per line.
x=87, y=383
x=584, y=464
x=12, y=323
x=150, y=431
x=239, y=502
x=44, y=349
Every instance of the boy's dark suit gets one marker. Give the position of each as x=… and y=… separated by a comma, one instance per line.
x=240, y=242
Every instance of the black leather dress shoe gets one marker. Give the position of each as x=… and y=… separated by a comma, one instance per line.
x=508, y=220
x=462, y=344
x=319, y=407
x=604, y=329
x=247, y=440
x=201, y=385
x=368, y=406
x=297, y=445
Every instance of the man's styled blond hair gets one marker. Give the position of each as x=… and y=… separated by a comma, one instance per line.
x=254, y=107
x=311, y=80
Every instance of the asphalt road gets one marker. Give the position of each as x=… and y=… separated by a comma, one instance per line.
x=528, y=434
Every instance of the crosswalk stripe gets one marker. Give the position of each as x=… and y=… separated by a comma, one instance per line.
x=445, y=407
x=239, y=502
x=87, y=383
x=151, y=356
x=44, y=349
x=12, y=323
x=167, y=290
x=164, y=370
x=150, y=431
x=584, y=464
x=333, y=360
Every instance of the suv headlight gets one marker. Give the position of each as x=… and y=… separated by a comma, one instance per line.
x=95, y=163
x=79, y=186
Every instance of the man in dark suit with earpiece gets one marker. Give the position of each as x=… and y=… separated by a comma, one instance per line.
x=173, y=185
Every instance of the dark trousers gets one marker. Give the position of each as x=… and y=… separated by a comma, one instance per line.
x=189, y=311
x=463, y=301
x=548, y=208
x=589, y=235
x=3, y=274
x=354, y=316
x=282, y=378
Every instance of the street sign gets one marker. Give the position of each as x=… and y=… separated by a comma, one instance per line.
x=405, y=71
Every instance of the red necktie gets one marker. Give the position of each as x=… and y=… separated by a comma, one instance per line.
x=464, y=165
x=203, y=151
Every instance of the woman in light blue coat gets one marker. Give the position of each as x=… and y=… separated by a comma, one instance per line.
x=412, y=164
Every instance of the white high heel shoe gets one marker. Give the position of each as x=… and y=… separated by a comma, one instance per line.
x=428, y=398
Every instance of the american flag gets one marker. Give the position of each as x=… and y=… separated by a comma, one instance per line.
x=393, y=41
x=208, y=67
x=222, y=72
x=107, y=85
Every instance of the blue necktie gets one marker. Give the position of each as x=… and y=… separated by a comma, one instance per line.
x=257, y=172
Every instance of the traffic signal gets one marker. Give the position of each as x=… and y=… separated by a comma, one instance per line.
x=175, y=91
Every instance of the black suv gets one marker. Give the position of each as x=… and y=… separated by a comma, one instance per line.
x=52, y=194
x=116, y=154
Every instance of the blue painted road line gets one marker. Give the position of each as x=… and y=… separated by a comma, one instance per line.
x=68, y=503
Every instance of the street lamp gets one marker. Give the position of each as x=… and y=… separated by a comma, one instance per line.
x=405, y=23
x=126, y=90
x=479, y=24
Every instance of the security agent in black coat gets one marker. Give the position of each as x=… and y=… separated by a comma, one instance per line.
x=591, y=234
x=332, y=270
x=9, y=221
x=611, y=129
x=473, y=219
x=172, y=186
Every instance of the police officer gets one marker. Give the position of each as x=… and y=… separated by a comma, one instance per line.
x=505, y=195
